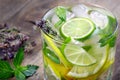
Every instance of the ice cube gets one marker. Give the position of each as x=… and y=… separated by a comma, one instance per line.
x=69, y=15
x=55, y=18
x=99, y=19
x=80, y=10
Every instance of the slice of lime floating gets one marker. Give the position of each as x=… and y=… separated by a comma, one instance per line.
x=100, y=54
x=78, y=56
x=77, y=28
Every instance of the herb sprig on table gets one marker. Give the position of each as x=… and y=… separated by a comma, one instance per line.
x=11, y=38
x=15, y=69
x=12, y=52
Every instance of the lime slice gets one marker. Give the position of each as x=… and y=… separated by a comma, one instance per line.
x=100, y=55
x=78, y=56
x=78, y=28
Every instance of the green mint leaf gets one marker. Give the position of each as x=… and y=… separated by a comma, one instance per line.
x=110, y=40
x=31, y=69
x=59, y=23
x=19, y=75
x=51, y=55
x=19, y=57
x=22, y=68
x=108, y=36
x=61, y=13
x=5, y=70
x=67, y=40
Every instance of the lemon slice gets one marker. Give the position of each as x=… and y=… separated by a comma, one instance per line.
x=56, y=50
x=86, y=71
x=78, y=56
x=78, y=28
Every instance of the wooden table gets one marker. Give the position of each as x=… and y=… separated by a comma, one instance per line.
x=15, y=12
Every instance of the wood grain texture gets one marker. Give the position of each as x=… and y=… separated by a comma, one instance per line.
x=16, y=12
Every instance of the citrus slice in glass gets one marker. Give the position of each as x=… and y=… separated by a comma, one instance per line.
x=78, y=28
x=98, y=54
x=78, y=56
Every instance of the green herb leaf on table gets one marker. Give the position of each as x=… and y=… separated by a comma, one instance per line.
x=19, y=75
x=31, y=69
x=22, y=68
x=19, y=57
x=5, y=70
x=20, y=72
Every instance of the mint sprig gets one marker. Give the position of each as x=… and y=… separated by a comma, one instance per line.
x=19, y=75
x=31, y=69
x=61, y=13
x=110, y=40
x=6, y=70
x=15, y=69
x=108, y=34
x=19, y=57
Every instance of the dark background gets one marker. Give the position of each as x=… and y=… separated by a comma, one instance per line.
x=16, y=12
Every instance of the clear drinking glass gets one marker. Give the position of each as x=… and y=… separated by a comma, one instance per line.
x=78, y=42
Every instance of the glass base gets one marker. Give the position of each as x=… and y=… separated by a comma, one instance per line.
x=107, y=75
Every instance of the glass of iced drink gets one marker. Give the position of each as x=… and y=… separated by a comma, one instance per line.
x=78, y=42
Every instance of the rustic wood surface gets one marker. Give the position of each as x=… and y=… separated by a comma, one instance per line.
x=16, y=12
